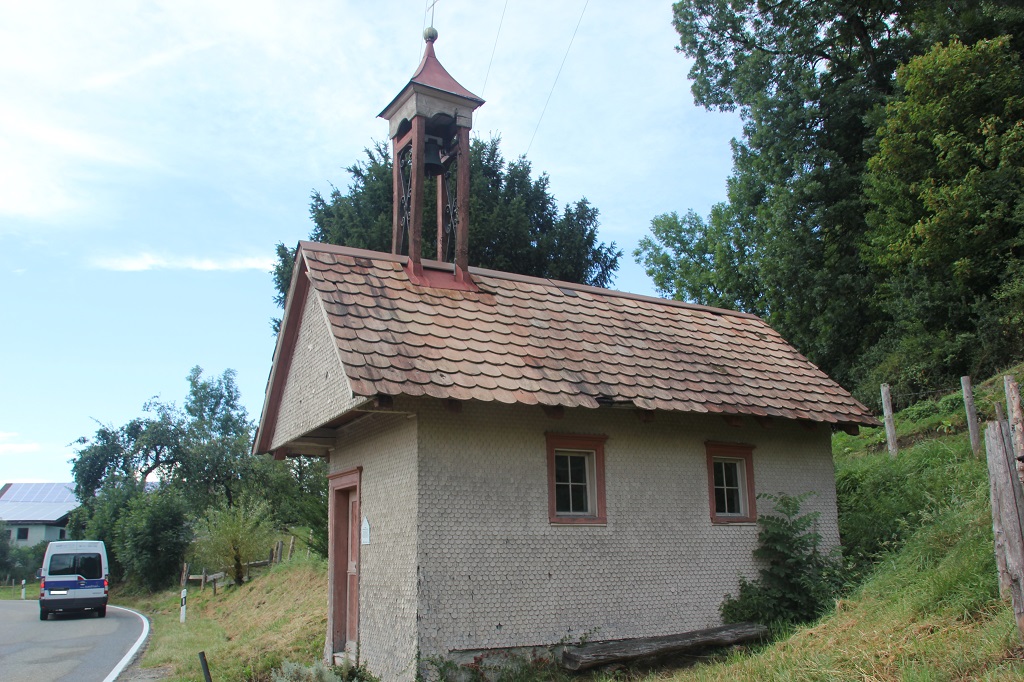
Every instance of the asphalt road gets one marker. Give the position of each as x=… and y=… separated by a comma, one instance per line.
x=65, y=648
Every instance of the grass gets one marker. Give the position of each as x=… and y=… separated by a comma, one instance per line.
x=247, y=631
x=9, y=592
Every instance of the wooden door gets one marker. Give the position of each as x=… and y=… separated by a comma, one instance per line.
x=352, y=568
x=343, y=576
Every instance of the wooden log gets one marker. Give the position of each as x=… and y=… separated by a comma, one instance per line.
x=890, y=422
x=291, y=548
x=1016, y=417
x=601, y=653
x=972, y=416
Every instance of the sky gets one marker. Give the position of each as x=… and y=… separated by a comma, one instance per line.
x=153, y=153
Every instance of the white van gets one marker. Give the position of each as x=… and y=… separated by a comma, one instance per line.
x=74, y=577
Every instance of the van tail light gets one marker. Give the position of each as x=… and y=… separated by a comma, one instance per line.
x=42, y=587
x=106, y=585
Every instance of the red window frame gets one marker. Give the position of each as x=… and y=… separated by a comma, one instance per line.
x=592, y=444
x=732, y=451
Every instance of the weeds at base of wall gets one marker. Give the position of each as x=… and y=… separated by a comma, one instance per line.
x=320, y=672
x=499, y=668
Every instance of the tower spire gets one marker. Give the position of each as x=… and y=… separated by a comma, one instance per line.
x=429, y=123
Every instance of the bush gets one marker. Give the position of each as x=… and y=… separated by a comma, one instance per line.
x=151, y=538
x=796, y=583
x=230, y=537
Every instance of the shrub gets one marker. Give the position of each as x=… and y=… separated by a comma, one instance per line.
x=151, y=538
x=230, y=537
x=319, y=672
x=797, y=582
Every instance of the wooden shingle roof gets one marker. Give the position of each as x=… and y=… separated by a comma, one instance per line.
x=541, y=342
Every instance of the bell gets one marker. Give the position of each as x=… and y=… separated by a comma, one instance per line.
x=432, y=166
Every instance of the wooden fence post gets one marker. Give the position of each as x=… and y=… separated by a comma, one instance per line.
x=291, y=548
x=972, y=416
x=1016, y=418
x=184, y=575
x=890, y=423
x=1010, y=503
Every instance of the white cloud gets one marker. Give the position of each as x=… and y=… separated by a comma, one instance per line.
x=147, y=261
x=19, y=448
x=153, y=61
x=7, y=435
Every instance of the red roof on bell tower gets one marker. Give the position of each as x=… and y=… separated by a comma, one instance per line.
x=431, y=74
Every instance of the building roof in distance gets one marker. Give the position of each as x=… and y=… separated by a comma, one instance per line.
x=36, y=502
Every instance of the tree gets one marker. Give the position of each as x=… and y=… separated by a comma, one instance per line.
x=231, y=537
x=152, y=537
x=515, y=222
x=946, y=190
x=809, y=78
x=216, y=441
x=99, y=516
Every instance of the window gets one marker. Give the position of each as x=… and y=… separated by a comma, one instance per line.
x=61, y=534
x=576, y=479
x=731, y=483
x=23, y=533
x=89, y=565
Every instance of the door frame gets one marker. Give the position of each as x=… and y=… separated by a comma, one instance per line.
x=342, y=607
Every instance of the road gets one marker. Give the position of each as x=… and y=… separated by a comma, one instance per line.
x=64, y=648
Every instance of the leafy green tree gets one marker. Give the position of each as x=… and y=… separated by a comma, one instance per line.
x=99, y=516
x=152, y=536
x=5, y=549
x=808, y=78
x=231, y=537
x=515, y=224
x=216, y=441
x=946, y=188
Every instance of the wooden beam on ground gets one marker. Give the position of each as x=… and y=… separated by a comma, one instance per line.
x=1016, y=417
x=601, y=653
x=1009, y=501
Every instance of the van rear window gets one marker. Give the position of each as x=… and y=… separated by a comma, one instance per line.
x=86, y=564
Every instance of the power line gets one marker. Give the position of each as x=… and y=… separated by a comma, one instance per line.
x=493, y=49
x=556, y=76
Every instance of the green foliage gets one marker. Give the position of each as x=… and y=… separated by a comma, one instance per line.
x=151, y=538
x=811, y=80
x=946, y=188
x=99, y=516
x=20, y=562
x=319, y=672
x=797, y=582
x=515, y=222
x=230, y=537
x=882, y=500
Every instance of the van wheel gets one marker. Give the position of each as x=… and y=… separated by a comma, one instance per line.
x=43, y=613
x=101, y=612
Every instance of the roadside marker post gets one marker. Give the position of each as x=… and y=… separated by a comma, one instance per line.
x=184, y=595
x=23, y=590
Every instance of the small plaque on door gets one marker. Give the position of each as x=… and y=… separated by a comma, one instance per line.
x=364, y=535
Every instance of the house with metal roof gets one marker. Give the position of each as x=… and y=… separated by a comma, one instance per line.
x=36, y=512
x=517, y=462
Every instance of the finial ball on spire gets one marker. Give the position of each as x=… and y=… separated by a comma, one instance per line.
x=430, y=34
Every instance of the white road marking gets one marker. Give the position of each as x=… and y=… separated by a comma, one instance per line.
x=123, y=663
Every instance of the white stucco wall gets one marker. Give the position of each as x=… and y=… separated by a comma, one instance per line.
x=385, y=447
x=36, y=533
x=495, y=573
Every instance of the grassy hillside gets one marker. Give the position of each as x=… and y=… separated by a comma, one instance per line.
x=246, y=632
x=918, y=542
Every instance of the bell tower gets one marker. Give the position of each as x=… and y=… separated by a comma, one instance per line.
x=429, y=122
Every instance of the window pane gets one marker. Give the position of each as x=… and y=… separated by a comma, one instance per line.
x=720, y=501
x=563, y=503
x=732, y=501
x=561, y=469
x=89, y=566
x=719, y=474
x=578, y=469
x=579, y=499
x=731, y=474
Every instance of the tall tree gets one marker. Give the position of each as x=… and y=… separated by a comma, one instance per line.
x=946, y=189
x=515, y=223
x=808, y=78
